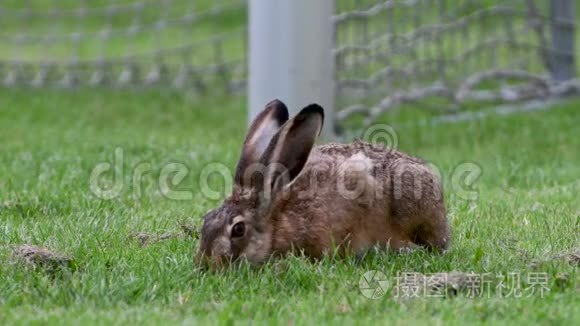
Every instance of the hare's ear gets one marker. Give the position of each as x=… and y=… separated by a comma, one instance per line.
x=260, y=134
x=290, y=148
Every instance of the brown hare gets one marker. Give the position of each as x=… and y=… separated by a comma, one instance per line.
x=290, y=195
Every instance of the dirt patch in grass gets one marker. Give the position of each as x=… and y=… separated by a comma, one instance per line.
x=570, y=256
x=41, y=257
x=147, y=238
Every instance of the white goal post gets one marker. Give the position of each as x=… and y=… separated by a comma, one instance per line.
x=291, y=56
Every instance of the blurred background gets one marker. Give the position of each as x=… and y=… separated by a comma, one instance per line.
x=360, y=58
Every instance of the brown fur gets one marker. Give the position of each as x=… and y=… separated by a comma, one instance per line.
x=345, y=197
x=316, y=220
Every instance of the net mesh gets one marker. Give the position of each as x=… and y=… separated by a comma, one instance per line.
x=444, y=54
x=178, y=43
x=436, y=54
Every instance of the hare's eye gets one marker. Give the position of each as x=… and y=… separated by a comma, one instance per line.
x=238, y=230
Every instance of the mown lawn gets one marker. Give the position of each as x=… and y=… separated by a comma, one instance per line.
x=525, y=219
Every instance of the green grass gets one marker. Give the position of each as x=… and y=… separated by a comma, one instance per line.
x=50, y=141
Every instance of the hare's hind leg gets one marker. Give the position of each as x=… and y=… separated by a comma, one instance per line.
x=433, y=233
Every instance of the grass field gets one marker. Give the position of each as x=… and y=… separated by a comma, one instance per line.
x=525, y=219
